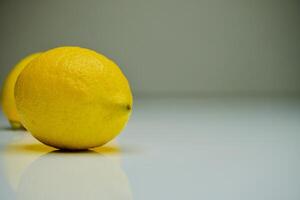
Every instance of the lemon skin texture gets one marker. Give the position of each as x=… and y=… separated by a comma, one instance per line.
x=7, y=96
x=73, y=98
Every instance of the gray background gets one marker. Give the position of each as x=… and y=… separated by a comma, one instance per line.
x=168, y=47
x=236, y=148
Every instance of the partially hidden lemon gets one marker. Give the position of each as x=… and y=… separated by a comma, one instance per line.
x=7, y=96
x=73, y=98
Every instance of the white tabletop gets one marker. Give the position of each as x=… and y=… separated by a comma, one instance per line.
x=207, y=148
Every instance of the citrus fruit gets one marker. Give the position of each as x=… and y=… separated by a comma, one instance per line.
x=7, y=97
x=73, y=98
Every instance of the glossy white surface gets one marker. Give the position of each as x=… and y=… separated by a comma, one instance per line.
x=211, y=148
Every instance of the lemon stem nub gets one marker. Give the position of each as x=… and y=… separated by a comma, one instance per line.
x=128, y=107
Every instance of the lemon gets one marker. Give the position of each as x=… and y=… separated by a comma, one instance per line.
x=7, y=97
x=73, y=98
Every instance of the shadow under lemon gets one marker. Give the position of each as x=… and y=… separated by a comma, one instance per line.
x=36, y=171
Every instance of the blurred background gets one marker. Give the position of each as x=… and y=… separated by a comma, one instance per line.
x=168, y=47
x=232, y=145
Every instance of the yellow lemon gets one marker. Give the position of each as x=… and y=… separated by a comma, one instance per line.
x=73, y=98
x=7, y=97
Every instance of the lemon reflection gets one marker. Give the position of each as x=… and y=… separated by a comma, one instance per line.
x=37, y=171
x=19, y=154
